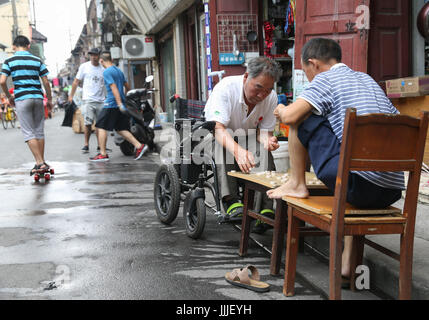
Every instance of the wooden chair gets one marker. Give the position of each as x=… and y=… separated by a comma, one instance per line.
x=375, y=142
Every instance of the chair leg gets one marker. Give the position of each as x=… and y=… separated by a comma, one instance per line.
x=357, y=259
x=406, y=266
x=291, y=254
x=335, y=263
x=278, y=237
x=248, y=199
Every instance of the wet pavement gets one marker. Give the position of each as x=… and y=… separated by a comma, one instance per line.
x=92, y=233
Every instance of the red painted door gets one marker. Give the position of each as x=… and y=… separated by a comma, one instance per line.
x=342, y=20
x=233, y=16
x=389, y=40
x=191, y=58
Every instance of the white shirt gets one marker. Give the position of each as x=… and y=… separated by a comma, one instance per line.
x=93, y=82
x=227, y=106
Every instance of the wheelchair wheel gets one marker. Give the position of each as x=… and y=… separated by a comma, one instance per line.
x=167, y=194
x=195, y=220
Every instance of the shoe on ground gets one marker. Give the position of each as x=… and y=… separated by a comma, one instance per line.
x=100, y=158
x=85, y=149
x=140, y=152
x=234, y=212
x=261, y=227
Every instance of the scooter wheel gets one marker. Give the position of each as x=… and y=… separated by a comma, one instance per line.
x=195, y=219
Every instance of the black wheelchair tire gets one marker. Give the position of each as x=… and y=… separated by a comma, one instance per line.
x=167, y=185
x=196, y=220
x=127, y=148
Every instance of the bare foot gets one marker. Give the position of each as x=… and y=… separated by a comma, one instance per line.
x=289, y=189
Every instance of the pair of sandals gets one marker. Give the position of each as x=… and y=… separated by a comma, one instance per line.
x=39, y=167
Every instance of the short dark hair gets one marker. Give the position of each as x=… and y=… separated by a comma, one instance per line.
x=21, y=42
x=322, y=49
x=106, y=56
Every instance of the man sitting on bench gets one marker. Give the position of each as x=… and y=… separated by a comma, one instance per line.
x=317, y=121
x=243, y=109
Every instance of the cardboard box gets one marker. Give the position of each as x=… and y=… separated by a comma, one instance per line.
x=408, y=87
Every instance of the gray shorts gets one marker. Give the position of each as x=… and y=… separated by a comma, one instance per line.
x=91, y=110
x=31, y=116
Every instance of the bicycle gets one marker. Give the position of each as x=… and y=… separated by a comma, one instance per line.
x=8, y=116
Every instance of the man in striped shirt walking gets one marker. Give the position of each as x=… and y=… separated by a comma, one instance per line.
x=26, y=71
x=317, y=122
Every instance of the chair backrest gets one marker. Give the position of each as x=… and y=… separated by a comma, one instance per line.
x=190, y=109
x=381, y=142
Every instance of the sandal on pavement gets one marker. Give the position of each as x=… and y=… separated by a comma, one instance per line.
x=240, y=278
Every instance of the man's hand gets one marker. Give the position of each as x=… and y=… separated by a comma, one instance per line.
x=271, y=144
x=245, y=159
x=70, y=99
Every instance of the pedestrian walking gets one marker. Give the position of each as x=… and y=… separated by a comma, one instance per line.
x=90, y=75
x=26, y=71
x=111, y=118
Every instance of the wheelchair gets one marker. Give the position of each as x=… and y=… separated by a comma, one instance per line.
x=183, y=178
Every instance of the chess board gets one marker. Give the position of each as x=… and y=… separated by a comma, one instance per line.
x=275, y=179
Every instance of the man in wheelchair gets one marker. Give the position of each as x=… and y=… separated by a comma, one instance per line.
x=243, y=109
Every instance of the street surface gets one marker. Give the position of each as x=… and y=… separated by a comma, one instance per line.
x=92, y=232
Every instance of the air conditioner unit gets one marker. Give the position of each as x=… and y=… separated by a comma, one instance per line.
x=138, y=47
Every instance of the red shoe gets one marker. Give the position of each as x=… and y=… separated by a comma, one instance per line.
x=100, y=158
x=140, y=152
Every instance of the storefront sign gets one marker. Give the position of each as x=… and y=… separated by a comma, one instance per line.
x=228, y=59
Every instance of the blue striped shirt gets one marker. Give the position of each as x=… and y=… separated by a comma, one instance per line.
x=26, y=71
x=332, y=92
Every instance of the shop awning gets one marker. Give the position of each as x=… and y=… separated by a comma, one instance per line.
x=152, y=16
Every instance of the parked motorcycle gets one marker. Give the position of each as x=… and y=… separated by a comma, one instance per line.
x=142, y=119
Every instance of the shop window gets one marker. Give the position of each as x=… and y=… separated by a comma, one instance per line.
x=279, y=30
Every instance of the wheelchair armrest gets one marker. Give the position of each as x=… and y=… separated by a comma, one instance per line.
x=210, y=126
